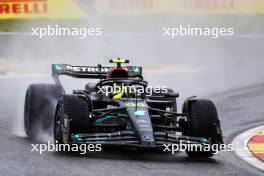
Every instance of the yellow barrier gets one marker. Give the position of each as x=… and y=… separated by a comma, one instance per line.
x=180, y=6
x=31, y=9
x=28, y=9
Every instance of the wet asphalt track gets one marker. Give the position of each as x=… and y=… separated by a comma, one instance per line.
x=238, y=110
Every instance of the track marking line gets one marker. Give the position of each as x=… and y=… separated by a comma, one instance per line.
x=240, y=144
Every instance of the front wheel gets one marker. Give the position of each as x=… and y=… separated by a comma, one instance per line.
x=72, y=117
x=39, y=108
x=202, y=121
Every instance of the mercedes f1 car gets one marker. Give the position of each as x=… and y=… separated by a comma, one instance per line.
x=124, y=119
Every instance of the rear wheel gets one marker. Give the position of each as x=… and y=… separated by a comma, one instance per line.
x=72, y=117
x=202, y=121
x=39, y=108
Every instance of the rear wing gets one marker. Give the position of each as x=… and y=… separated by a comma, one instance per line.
x=92, y=72
x=80, y=71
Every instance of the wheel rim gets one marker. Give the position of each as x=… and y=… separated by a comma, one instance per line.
x=58, y=127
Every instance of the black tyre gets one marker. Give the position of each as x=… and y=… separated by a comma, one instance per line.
x=75, y=111
x=202, y=121
x=39, y=108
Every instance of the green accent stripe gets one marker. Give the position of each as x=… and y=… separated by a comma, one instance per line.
x=105, y=118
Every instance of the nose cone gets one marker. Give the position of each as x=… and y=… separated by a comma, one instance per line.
x=142, y=125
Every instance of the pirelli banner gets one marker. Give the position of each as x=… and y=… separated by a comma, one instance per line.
x=180, y=6
x=27, y=9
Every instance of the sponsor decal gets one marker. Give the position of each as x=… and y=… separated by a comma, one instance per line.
x=24, y=9
x=23, y=6
x=209, y=4
x=86, y=69
x=179, y=6
x=132, y=104
x=147, y=138
x=142, y=121
x=139, y=113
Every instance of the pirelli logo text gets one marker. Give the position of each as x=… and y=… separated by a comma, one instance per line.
x=23, y=7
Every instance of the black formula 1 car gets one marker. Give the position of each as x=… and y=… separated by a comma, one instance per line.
x=124, y=118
